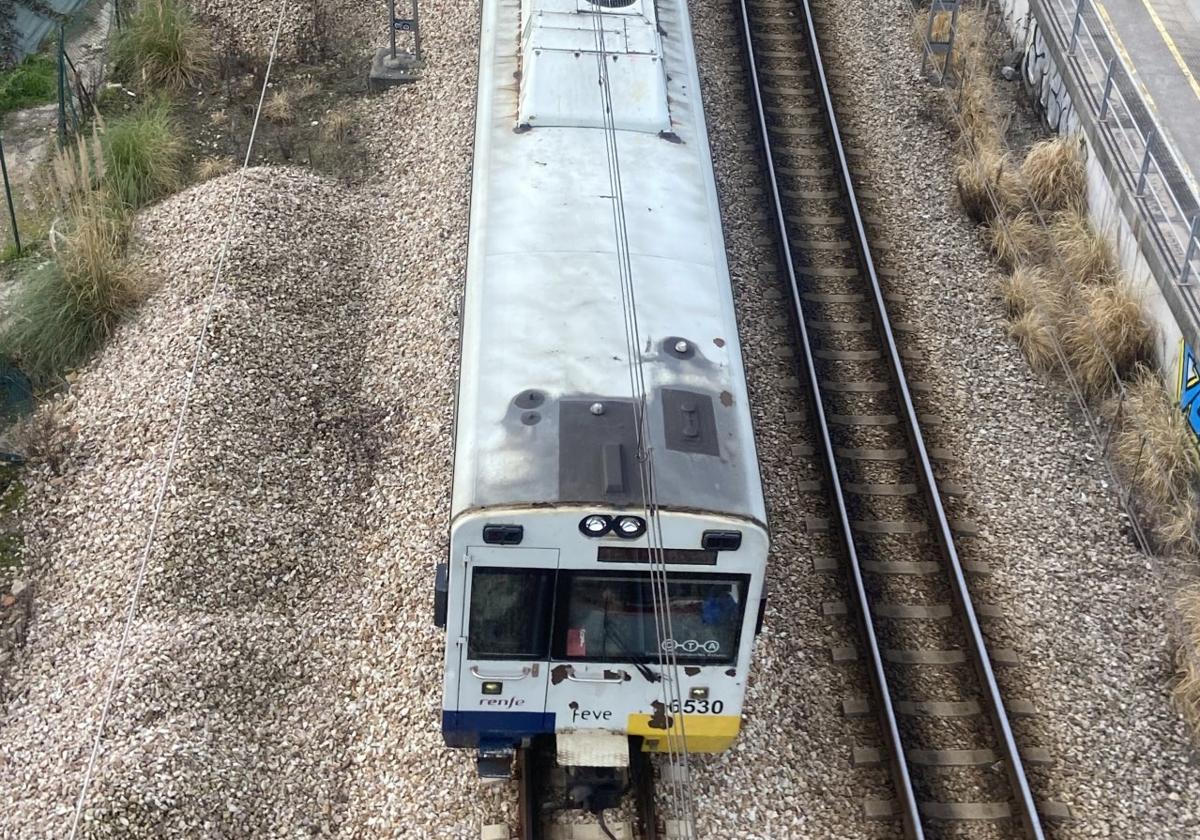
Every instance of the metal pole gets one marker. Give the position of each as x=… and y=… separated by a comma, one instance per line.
x=416, y=32
x=12, y=213
x=62, y=84
x=1141, y=184
x=392, y=26
x=1108, y=83
x=1187, y=257
x=1075, y=27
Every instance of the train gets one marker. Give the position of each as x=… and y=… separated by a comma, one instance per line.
x=608, y=541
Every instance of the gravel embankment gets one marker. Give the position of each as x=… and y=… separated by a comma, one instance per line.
x=226, y=721
x=283, y=677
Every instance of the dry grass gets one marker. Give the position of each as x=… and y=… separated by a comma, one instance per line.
x=1033, y=331
x=986, y=179
x=77, y=169
x=280, y=108
x=1088, y=256
x=1056, y=175
x=1018, y=240
x=969, y=37
x=1156, y=449
x=338, y=125
x=1030, y=287
x=978, y=123
x=1186, y=691
x=43, y=437
x=213, y=167
x=1106, y=336
x=307, y=89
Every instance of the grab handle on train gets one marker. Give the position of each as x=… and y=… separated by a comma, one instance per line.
x=606, y=677
x=524, y=672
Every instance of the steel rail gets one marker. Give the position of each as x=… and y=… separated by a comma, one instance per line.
x=889, y=724
x=1024, y=803
x=1025, y=809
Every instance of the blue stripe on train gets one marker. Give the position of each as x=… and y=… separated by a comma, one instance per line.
x=468, y=729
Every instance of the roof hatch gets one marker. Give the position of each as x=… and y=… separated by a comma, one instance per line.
x=560, y=51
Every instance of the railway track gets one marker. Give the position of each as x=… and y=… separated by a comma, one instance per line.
x=541, y=793
x=946, y=737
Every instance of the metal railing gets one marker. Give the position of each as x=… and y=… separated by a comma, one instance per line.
x=1150, y=166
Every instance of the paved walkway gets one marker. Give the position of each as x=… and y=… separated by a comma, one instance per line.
x=1161, y=40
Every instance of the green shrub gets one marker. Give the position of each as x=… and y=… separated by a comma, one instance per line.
x=162, y=45
x=32, y=82
x=143, y=155
x=67, y=306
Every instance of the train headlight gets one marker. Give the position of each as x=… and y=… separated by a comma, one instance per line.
x=630, y=527
x=698, y=693
x=493, y=687
x=595, y=525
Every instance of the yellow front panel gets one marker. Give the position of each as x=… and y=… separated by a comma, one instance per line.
x=701, y=733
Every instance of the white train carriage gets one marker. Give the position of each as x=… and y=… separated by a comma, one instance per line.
x=546, y=597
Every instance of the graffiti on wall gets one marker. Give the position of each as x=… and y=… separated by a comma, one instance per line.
x=1044, y=81
x=1187, y=386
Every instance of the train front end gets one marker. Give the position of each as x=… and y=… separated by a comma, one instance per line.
x=575, y=628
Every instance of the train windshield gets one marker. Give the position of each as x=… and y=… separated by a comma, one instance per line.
x=611, y=617
x=510, y=613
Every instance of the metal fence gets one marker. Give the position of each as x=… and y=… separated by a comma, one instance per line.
x=1147, y=162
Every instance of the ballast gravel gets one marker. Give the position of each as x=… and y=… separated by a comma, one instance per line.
x=283, y=677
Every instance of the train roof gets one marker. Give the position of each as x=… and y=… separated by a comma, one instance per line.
x=545, y=412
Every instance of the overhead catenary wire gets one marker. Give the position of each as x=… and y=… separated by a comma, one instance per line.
x=677, y=754
x=173, y=451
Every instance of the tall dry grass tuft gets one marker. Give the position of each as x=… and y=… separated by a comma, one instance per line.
x=1029, y=287
x=987, y=184
x=280, y=108
x=1106, y=336
x=162, y=44
x=1018, y=240
x=1056, y=176
x=68, y=305
x=1087, y=255
x=213, y=167
x=338, y=125
x=1156, y=449
x=1186, y=691
x=1033, y=330
x=77, y=169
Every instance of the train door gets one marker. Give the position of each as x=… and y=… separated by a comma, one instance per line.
x=504, y=643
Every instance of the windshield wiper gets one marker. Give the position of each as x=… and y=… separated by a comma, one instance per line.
x=636, y=660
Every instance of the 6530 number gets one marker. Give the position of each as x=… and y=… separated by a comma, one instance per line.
x=699, y=707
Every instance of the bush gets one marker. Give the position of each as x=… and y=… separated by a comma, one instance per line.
x=1157, y=452
x=164, y=46
x=1034, y=334
x=68, y=306
x=1087, y=255
x=1107, y=336
x=986, y=178
x=32, y=82
x=143, y=155
x=1018, y=240
x=1056, y=175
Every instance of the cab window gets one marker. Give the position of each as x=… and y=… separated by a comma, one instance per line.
x=610, y=616
x=510, y=613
